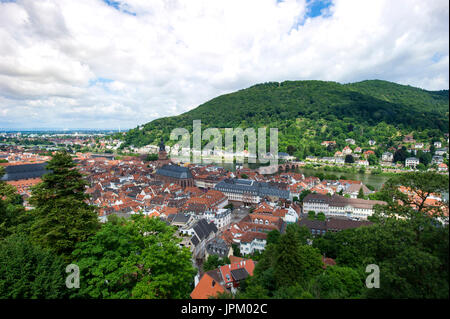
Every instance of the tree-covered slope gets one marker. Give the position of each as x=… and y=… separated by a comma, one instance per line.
x=317, y=106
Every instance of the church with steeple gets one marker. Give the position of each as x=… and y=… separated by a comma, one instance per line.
x=163, y=159
x=169, y=172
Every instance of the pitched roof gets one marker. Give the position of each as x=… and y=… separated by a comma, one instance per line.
x=174, y=171
x=25, y=171
x=239, y=274
x=208, y=286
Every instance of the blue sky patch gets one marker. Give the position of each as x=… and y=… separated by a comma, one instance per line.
x=315, y=7
x=437, y=57
x=122, y=7
x=99, y=80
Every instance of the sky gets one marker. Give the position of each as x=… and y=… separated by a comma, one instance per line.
x=109, y=64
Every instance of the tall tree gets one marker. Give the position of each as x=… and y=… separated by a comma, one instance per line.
x=361, y=193
x=28, y=271
x=12, y=212
x=138, y=258
x=295, y=262
x=62, y=216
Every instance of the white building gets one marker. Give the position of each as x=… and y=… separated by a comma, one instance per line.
x=339, y=160
x=412, y=162
x=350, y=141
x=339, y=206
x=251, y=242
x=221, y=218
x=387, y=157
x=437, y=159
x=362, y=162
x=291, y=216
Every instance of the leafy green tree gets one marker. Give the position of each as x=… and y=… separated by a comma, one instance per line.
x=311, y=215
x=295, y=262
x=138, y=258
x=340, y=282
x=421, y=167
x=412, y=264
x=422, y=185
x=413, y=273
x=229, y=206
x=361, y=193
x=349, y=159
x=321, y=216
x=28, y=271
x=151, y=157
x=273, y=237
x=62, y=216
x=291, y=149
x=214, y=261
x=12, y=213
x=236, y=250
x=373, y=160
x=400, y=155
x=303, y=194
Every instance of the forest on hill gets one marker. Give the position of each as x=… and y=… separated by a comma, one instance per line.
x=309, y=112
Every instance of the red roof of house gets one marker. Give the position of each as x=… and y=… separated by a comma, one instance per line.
x=207, y=287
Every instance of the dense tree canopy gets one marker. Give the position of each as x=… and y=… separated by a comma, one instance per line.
x=12, y=213
x=408, y=244
x=62, y=216
x=28, y=271
x=139, y=258
x=309, y=112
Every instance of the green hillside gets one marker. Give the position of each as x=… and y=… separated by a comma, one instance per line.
x=307, y=112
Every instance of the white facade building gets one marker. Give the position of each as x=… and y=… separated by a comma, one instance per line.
x=339, y=206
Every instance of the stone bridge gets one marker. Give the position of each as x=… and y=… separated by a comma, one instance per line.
x=285, y=167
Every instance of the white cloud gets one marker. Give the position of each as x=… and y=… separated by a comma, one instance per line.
x=87, y=64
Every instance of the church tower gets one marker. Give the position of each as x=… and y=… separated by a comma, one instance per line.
x=162, y=155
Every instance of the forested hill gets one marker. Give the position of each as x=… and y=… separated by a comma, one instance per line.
x=316, y=109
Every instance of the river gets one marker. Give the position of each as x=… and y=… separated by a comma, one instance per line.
x=368, y=179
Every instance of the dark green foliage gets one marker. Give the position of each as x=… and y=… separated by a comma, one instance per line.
x=361, y=193
x=214, y=261
x=308, y=112
x=273, y=237
x=139, y=258
x=12, y=213
x=285, y=267
x=291, y=149
x=229, y=206
x=236, y=250
x=411, y=251
x=372, y=159
x=152, y=157
x=303, y=194
x=339, y=282
x=62, y=218
x=400, y=155
x=28, y=271
x=349, y=159
x=321, y=216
